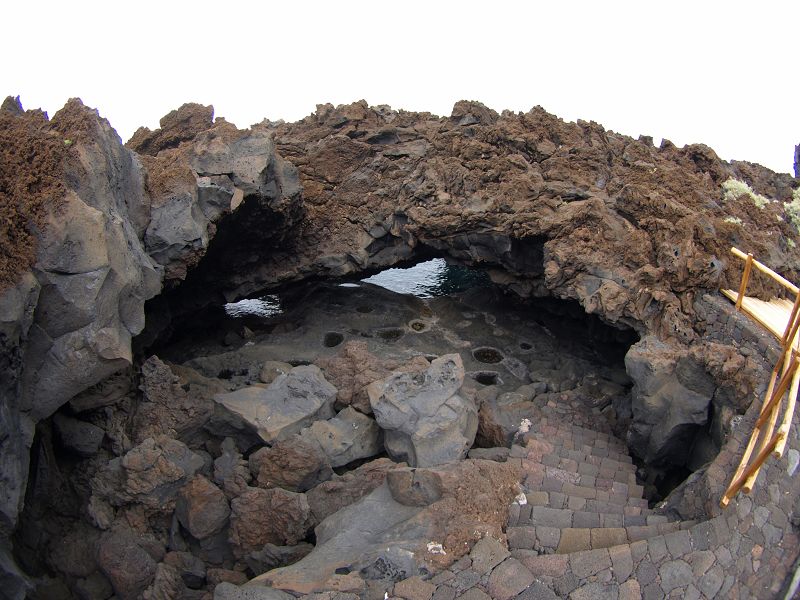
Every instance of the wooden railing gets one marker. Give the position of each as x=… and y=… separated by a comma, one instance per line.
x=785, y=375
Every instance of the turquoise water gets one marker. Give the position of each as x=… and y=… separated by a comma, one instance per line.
x=430, y=279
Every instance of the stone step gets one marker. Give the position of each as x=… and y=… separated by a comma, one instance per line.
x=605, y=468
x=583, y=474
x=567, y=540
x=622, y=494
x=532, y=514
x=651, y=554
x=587, y=453
x=576, y=503
x=621, y=483
x=554, y=431
x=579, y=416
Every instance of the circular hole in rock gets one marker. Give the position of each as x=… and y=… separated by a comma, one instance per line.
x=525, y=346
x=487, y=355
x=418, y=326
x=333, y=339
x=364, y=308
x=390, y=334
x=487, y=377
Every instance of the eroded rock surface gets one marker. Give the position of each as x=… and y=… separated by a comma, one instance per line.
x=425, y=420
x=290, y=403
x=380, y=538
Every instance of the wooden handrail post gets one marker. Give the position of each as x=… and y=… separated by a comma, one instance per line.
x=785, y=378
x=787, y=416
x=791, y=325
x=748, y=265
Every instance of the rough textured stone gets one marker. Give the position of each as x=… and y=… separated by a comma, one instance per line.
x=330, y=496
x=382, y=539
x=674, y=574
x=670, y=400
x=190, y=568
x=229, y=591
x=290, y=403
x=354, y=368
x=202, y=508
x=295, y=463
x=486, y=554
x=80, y=437
x=150, y=474
x=272, y=556
x=509, y=579
x=273, y=516
x=414, y=588
x=349, y=436
x=425, y=421
x=176, y=401
x=129, y=568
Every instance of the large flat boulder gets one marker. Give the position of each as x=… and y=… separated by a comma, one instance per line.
x=670, y=401
x=425, y=420
x=381, y=537
x=290, y=403
x=349, y=436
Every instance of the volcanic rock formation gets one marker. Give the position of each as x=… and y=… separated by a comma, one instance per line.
x=173, y=479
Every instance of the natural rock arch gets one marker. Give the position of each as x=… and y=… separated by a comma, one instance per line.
x=200, y=210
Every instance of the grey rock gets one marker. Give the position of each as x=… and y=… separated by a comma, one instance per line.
x=15, y=584
x=349, y=436
x=486, y=554
x=271, y=369
x=272, y=556
x=151, y=474
x=670, y=401
x=94, y=586
x=425, y=420
x=202, y=508
x=414, y=487
x=292, y=402
x=375, y=536
x=80, y=437
x=191, y=569
x=537, y=591
x=128, y=566
x=495, y=454
x=229, y=591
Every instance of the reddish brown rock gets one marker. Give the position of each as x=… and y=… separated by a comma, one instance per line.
x=177, y=126
x=129, y=568
x=172, y=404
x=202, y=508
x=273, y=516
x=354, y=368
x=326, y=498
x=295, y=464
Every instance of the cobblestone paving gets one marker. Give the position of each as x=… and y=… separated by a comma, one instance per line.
x=585, y=532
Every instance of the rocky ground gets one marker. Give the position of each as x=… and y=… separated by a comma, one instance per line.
x=362, y=444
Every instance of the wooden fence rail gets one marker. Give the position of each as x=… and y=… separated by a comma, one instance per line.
x=782, y=319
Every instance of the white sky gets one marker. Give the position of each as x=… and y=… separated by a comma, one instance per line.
x=721, y=73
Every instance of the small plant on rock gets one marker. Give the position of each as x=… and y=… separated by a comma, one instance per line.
x=733, y=189
x=793, y=209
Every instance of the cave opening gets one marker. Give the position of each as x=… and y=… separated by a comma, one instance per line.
x=428, y=306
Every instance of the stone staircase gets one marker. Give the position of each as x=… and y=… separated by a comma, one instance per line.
x=584, y=530
x=581, y=492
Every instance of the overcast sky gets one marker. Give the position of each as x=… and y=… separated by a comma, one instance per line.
x=721, y=73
